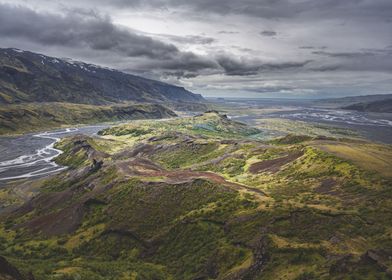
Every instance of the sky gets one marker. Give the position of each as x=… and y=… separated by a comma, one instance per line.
x=218, y=48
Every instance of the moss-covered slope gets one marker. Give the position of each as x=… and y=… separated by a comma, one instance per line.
x=202, y=198
x=38, y=116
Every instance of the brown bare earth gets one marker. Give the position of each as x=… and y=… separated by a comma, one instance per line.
x=273, y=165
x=69, y=218
x=147, y=168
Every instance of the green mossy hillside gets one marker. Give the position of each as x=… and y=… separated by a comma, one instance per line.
x=166, y=200
x=211, y=124
x=21, y=118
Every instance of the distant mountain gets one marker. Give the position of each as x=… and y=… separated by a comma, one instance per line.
x=32, y=77
x=380, y=106
x=350, y=100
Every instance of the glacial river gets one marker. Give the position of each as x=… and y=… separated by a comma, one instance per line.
x=31, y=155
x=373, y=126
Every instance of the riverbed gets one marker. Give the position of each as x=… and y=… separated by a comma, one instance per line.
x=31, y=155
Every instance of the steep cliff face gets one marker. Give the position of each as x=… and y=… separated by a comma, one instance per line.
x=32, y=77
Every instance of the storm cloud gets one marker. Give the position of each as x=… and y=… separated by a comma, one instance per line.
x=217, y=48
x=97, y=33
x=265, y=8
x=192, y=39
x=242, y=67
x=78, y=29
x=364, y=60
x=268, y=33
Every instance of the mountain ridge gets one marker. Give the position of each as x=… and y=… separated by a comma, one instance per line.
x=31, y=77
x=379, y=106
x=342, y=102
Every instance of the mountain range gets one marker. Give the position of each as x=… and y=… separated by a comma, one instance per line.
x=365, y=103
x=30, y=77
x=379, y=106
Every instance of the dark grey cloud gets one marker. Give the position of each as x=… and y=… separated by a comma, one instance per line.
x=79, y=30
x=345, y=54
x=243, y=67
x=374, y=54
x=190, y=65
x=312, y=48
x=268, y=33
x=228, y=32
x=264, y=8
x=382, y=9
x=93, y=31
x=186, y=62
x=289, y=8
x=192, y=39
x=326, y=68
x=89, y=30
x=330, y=44
x=366, y=60
x=268, y=89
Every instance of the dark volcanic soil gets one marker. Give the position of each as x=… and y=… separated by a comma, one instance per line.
x=273, y=165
